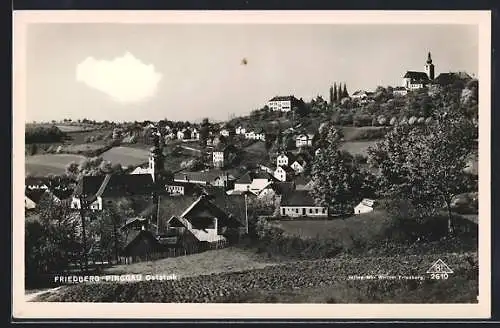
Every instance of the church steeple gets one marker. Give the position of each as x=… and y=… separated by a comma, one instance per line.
x=429, y=67
x=429, y=59
x=156, y=161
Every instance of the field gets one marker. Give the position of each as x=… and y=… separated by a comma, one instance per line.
x=74, y=128
x=215, y=261
x=356, y=133
x=318, y=281
x=366, y=226
x=126, y=156
x=49, y=163
x=358, y=147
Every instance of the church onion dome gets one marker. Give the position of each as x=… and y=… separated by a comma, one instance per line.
x=429, y=59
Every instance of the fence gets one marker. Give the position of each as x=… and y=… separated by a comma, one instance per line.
x=173, y=252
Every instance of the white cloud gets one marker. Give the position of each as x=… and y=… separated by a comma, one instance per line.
x=125, y=79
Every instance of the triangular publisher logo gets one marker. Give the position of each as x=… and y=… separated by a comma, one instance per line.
x=439, y=267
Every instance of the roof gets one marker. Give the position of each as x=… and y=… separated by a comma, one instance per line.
x=249, y=176
x=297, y=198
x=134, y=236
x=418, y=76
x=206, y=176
x=359, y=92
x=449, y=78
x=62, y=192
x=283, y=98
x=115, y=185
x=302, y=180
x=35, y=195
x=34, y=181
x=286, y=168
x=367, y=202
x=282, y=188
x=288, y=154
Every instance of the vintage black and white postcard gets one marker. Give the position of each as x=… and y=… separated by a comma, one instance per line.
x=252, y=164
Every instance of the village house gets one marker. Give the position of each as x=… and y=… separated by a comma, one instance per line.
x=400, y=91
x=284, y=159
x=359, y=95
x=215, y=178
x=303, y=183
x=299, y=164
x=304, y=140
x=33, y=196
x=365, y=206
x=99, y=191
x=300, y=204
x=195, y=134
x=240, y=130
x=284, y=173
x=222, y=155
x=253, y=182
x=282, y=103
x=174, y=188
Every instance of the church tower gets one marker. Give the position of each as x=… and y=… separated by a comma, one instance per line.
x=429, y=67
x=156, y=162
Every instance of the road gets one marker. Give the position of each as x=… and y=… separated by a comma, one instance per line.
x=32, y=296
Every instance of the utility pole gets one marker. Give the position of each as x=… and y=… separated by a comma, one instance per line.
x=83, y=206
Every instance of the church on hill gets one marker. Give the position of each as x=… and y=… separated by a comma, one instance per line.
x=414, y=80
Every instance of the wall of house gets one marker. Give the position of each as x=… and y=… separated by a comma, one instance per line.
x=174, y=189
x=280, y=174
x=298, y=211
x=360, y=209
x=282, y=160
x=297, y=167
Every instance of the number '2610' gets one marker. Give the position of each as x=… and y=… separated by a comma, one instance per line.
x=439, y=276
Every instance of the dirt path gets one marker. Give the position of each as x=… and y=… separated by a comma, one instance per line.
x=30, y=297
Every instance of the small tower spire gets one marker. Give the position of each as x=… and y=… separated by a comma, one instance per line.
x=429, y=59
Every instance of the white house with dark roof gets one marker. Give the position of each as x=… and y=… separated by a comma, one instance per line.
x=284, y=173
x=400, y=91
x=240, y=130
x=299, y=165
x=282, y=103
x=299, y=203
x=365, y=206
x=304, y=140
x=284, y=159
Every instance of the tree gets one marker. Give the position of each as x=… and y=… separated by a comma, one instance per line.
x=338, y=182
x=332, y=95
x=72, y=169
x=425, y=163
x=335, y=94
x=204, y=132
x=345, y=94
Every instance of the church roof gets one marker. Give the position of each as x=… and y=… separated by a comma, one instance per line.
x=417, y=76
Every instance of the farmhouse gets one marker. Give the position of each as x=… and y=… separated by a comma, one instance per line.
x=299, y=164
x=282, y=103
x=253, y=182
x=400, y=91
x=300, y=204
x=359, y=94
x=303, y=140
x=99, y=190
x=365, y=206
x=284, y=159
x=240, y=130
x=32, y=198
x=284, y=173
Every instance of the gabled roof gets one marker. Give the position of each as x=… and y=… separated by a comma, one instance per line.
x=451, y=77
x=283, y=98
x=288, y=154
x=113, y=185
x=35, y=195
x=282, y=188
x=286, y=168
x=297, y=198
x=249, y=176
x=302, y=180
x=418, y=76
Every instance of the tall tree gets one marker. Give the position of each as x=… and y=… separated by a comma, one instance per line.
x=335, y=94
x=425, y=163
x=339, y=92
x=345, y=94
x=338, y=182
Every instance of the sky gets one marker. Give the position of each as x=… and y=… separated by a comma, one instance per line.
x=125, y=72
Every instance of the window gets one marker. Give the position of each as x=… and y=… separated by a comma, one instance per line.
x=317, y=211
x=283, y=211
x=310, y=210
x=297, y=210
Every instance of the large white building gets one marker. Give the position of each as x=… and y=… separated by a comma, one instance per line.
x=282, y=103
